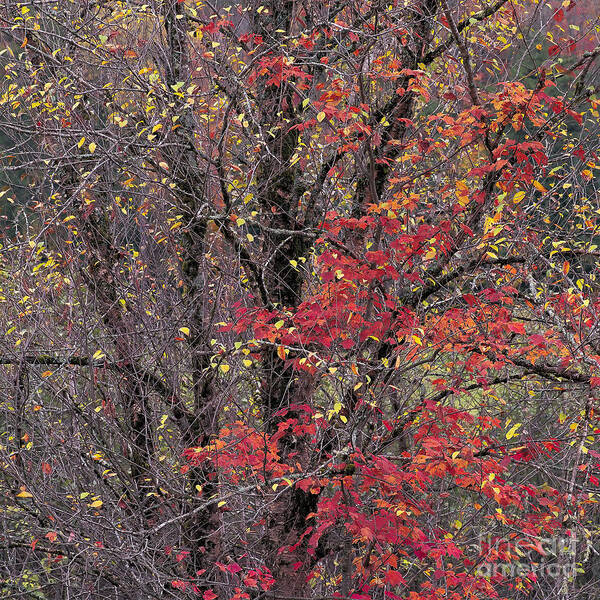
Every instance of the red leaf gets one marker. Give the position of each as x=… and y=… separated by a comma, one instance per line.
x=559, y=15
x=537, y=340
x=470, y=299
x=179, y=585
x=51, y=536
x=394, y=578
x=234, y=568
x=579, y=153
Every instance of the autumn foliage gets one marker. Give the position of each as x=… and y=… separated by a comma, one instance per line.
x=299, y=299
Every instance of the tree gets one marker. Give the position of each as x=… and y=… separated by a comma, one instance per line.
x=302, y=302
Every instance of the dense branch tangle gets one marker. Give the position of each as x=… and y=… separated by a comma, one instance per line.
x=299, y=298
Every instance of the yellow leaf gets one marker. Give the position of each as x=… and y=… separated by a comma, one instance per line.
x=24, y=494
x=185, y=330
x=95, y=504
x=538, y=186
x=281, y=352
x=417, y=340
x=462, y=193
x=512, y=431
x=92, y=147
x=279, y=324
x=321, y=116
x=99, y=354
x=518, y=197
x=80, y=142
x=224, y=367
